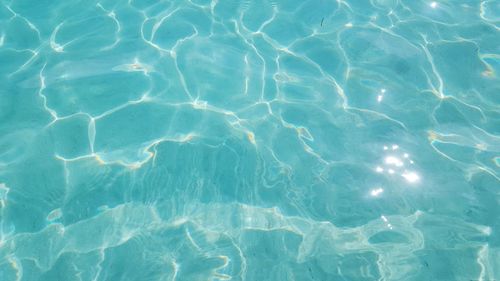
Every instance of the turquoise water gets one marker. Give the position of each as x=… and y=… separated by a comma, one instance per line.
x=249, y=140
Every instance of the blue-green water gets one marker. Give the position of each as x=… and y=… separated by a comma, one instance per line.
x=249, y=140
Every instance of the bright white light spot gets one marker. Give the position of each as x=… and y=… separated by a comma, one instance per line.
x=385, y=147
x=349, y=25
x=380, y=98
x=434, y=5
x=379, y=169
x=411, y=161
x=376, y=192
x=391, y=171
x=391, y=160
x=411, y=177
x=58, y=48
x=395, y=146
x=383, y=91
x=383, y=218
x=406, y=155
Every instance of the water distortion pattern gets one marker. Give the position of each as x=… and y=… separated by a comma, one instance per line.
x=249, y=140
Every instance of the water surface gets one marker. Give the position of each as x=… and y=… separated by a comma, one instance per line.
x=249, y=140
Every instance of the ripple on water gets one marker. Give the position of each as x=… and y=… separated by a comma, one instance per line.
x=249, y=140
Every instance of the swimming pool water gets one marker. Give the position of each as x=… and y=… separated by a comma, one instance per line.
x=249, y=140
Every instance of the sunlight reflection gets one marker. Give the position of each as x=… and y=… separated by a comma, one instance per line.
x=384, y=218
x=380, y=97
x=391, y=160
x=411, y=177
x=376, y=192
x=394, y=164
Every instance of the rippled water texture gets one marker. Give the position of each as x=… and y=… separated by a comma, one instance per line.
x=249, y=140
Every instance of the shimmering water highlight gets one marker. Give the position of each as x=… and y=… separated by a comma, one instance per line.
x=249, y=140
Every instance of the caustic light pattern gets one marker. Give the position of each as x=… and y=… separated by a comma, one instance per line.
x=256, y=140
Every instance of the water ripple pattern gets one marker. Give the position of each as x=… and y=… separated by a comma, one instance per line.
x=156, y=140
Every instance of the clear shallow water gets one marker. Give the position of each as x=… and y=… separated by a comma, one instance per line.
x=249, y=140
